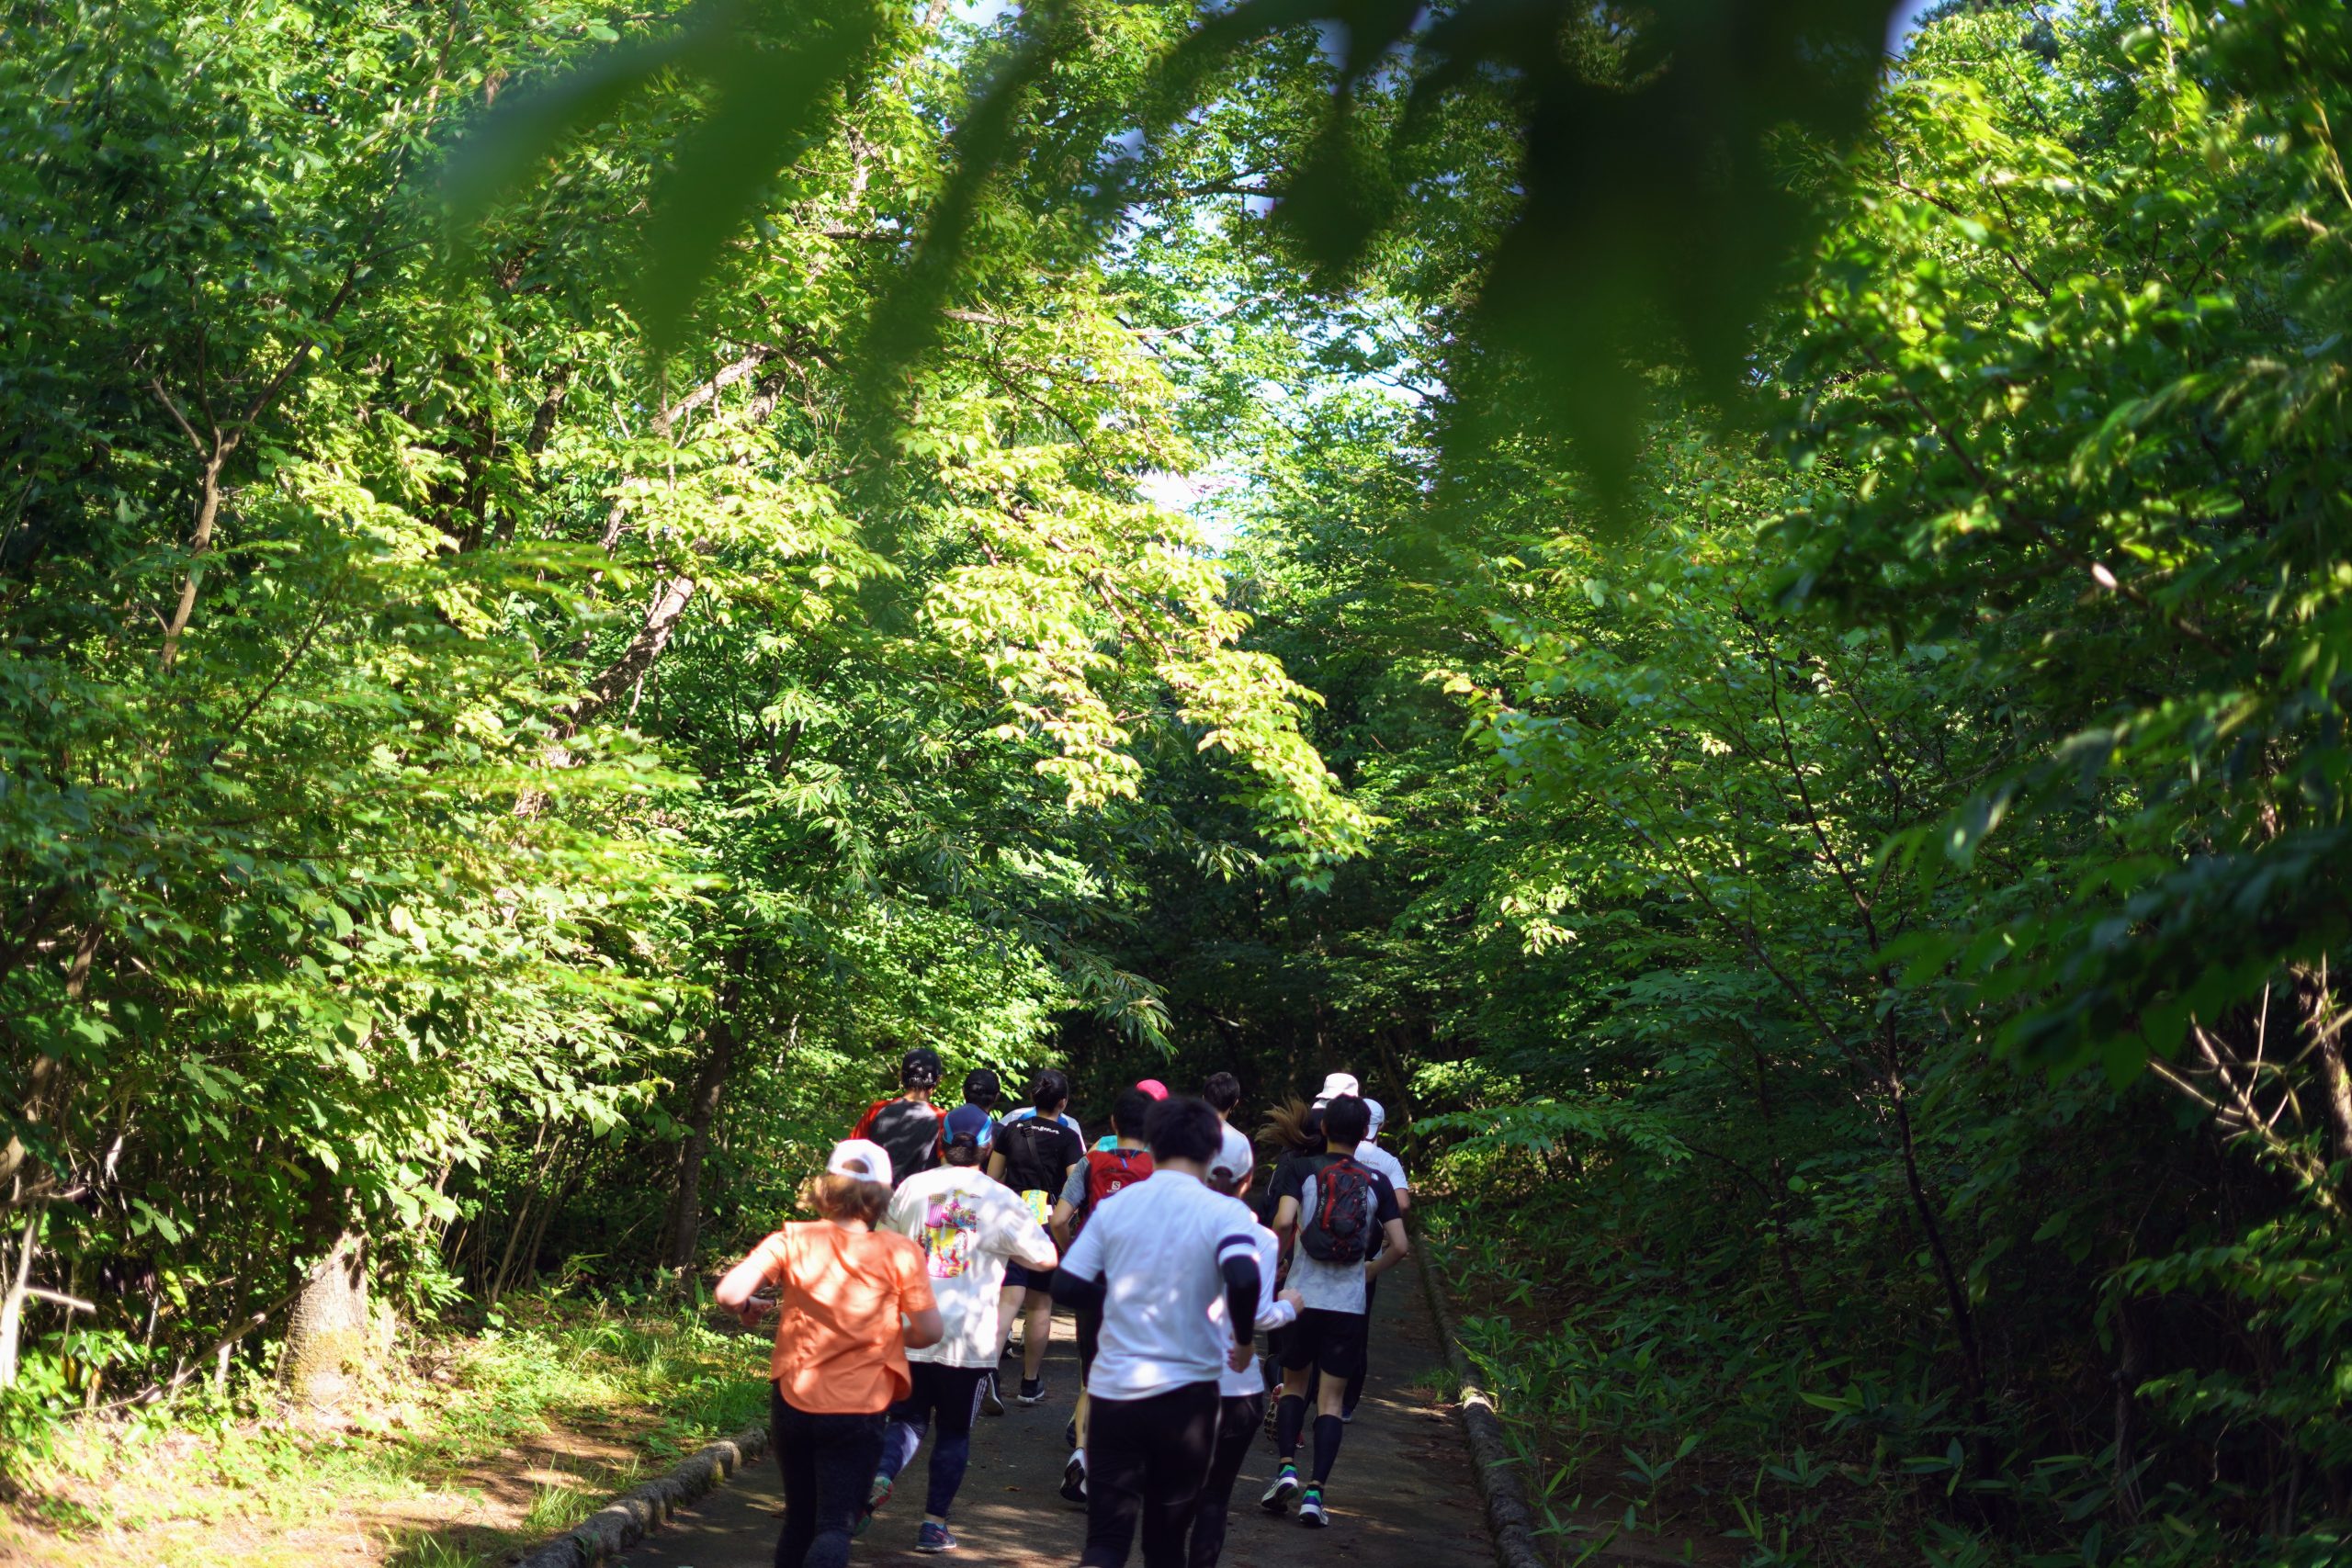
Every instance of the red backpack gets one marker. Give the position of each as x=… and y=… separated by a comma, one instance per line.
x=1109, y=1171
x=1342, y=1229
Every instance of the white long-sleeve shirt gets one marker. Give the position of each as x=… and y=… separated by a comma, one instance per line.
x=1272, y=1315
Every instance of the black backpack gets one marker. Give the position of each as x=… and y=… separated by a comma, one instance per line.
x=1340, y=1231
x=1031, y=1147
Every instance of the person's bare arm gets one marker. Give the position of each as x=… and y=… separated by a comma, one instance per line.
x=924, y=1327
x=1396, y=1252
x=1060, y=1224
x=1286, y=1225
x=1404, y=1200
x=996, y=1168
x=741, y=1283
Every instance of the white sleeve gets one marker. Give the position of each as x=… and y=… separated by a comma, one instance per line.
x=1084, y=1260
x=1271, y=1314
x=1013, y=1231
x=905, y=1214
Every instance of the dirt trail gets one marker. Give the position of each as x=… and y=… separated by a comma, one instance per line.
x=1400, y=1497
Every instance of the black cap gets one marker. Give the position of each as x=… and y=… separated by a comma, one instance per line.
x=982, y=1086
x=919, y=1068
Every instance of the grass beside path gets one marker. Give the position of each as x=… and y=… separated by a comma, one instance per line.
x=459, y=1452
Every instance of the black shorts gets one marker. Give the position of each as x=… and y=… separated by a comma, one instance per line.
x=1333, y=1341
x=1016, y=1277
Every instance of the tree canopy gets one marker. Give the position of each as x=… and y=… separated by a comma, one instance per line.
x=1752, y=629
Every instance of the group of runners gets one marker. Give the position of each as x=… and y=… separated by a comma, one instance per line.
x=941, y=1230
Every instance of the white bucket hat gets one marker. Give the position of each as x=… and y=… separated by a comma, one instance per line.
x=1338, y=1084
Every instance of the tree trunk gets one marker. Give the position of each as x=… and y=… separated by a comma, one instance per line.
x=2336, y=1082
x=711, y=1083
x=671, y=597
x=329, y=1336
x=523, y=1216
x=17, y=1283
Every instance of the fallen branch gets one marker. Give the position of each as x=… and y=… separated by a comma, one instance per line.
x=155, y=1393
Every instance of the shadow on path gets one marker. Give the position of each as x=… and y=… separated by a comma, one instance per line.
x=1401, y=1496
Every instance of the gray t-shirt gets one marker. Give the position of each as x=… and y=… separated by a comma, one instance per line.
x=1335, y=1287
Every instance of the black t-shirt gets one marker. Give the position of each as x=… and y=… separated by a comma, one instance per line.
x=1038, y=1152
x=909, y=1132
x=1290, y=1181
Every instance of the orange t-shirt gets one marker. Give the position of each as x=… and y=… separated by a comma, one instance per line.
x=839, y=1349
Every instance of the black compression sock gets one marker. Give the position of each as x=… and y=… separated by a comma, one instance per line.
x=1290, y=1423
x=1328, y=1431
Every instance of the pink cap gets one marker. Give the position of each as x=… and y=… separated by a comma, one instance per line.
x=1337, y=1086
x=1153, y=1087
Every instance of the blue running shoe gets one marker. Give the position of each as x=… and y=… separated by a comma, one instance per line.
x=934, y=1537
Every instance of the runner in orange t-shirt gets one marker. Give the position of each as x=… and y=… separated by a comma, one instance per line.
x=842, y=1290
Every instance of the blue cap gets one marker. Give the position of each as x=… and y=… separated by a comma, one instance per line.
x=970, y=1124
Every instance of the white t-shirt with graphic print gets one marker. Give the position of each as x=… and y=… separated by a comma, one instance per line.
x=968, y=1226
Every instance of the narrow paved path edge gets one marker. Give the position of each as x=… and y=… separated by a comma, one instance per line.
x=612, y=1529
x=1509, y=1518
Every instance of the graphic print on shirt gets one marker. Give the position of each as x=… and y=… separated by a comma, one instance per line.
x=951, y=1235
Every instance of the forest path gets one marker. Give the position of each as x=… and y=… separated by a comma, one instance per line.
x=1401, y=1496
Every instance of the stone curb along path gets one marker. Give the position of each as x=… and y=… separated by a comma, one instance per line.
x=622, y=1523
x=1507, y=1514
x=1509, y=1518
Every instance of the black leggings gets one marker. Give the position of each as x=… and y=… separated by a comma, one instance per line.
x=1363, y=1363
x=828, y=1462
x=1147, y=1456
x=1237, y=1425
x=955, y=1393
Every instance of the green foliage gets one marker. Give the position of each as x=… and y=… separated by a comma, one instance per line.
x=1872, y=974
x=430, y=713
x=1757, y=638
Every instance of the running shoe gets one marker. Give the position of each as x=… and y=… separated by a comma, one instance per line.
x=934, y=1537
x=1033, y=1390
x=1074, y=1479
x=1284, y=1488
x=991, y=1402
x=1310, y=1509
x=877, y=1495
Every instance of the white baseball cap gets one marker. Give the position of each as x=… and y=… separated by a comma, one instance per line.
x=1236, y=1158
x=1340, y=1084
x=1379, y=1115
x=861, y=1158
